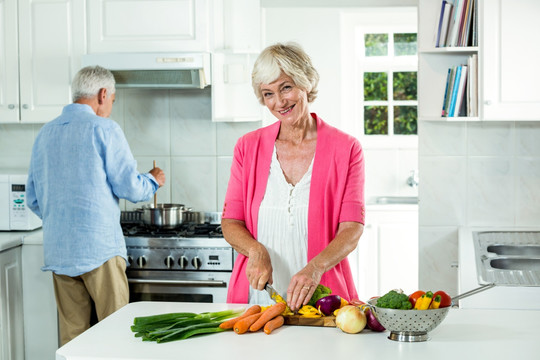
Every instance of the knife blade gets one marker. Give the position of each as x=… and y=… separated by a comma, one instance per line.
x=272, y=292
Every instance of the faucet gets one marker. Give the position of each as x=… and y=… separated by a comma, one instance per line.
x=413, y=180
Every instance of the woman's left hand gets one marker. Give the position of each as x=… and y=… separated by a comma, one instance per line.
x=302, y=286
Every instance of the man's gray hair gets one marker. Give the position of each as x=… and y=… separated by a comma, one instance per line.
x=89, y=80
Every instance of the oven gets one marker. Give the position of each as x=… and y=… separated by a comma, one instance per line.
x=191, y=263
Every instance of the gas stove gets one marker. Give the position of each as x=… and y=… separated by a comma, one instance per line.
x=192, y=262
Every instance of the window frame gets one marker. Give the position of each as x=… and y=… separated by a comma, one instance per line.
x=357, y=26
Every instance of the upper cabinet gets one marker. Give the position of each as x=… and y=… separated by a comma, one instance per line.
x=504, y=76
x=510, y=54
x=148, y=26
x=237, y=26
x=42, y=42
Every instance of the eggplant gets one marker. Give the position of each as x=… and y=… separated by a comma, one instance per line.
x=328, y=304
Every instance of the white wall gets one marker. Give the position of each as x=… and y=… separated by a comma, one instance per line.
x=172, y=127
x=473, y=174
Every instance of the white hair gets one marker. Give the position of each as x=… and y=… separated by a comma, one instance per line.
x=89, y=80
x=289, y=58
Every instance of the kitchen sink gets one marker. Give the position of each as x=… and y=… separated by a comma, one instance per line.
x=515, y=264
x=396, y=200
x=508, y=258
x=523, y=250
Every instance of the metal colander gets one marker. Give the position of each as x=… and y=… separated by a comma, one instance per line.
x=408, y=325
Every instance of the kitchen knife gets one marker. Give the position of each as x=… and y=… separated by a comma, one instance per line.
x=272, y=292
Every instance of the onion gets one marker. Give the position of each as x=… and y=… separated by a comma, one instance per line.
x=372, y=321
x=328, y=304
x=351, y=319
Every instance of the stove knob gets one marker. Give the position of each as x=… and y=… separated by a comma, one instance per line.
x=183, y=262
x=130, y=260
x=196, y=262
x=141, y=261
x=169, y=262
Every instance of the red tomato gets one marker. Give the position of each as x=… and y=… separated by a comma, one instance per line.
x=415, y=296
x=356, y=302
x=446, y=300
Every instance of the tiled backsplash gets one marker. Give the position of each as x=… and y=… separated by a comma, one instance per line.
x=473, y=174
x=174, y=128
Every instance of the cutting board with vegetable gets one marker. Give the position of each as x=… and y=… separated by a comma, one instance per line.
x=328, y=321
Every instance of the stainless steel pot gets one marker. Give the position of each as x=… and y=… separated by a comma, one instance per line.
x=167, y=216
x=194, y=217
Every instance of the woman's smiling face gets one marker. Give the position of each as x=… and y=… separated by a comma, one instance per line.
x=286, y=101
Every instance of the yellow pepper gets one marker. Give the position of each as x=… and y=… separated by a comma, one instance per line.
x=309, y=311
x=423, y=302
x=436, y=302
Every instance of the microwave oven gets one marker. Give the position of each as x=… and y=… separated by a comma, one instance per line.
x=14, y=214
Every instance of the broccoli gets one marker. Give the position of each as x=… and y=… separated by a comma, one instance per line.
x=394, y=300
x=320, y=292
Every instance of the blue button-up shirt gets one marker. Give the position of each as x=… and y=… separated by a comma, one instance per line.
x=81, y=165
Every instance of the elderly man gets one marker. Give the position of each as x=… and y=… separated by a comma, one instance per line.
x=81, y=165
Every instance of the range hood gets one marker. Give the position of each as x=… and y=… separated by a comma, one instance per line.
x=155, y=70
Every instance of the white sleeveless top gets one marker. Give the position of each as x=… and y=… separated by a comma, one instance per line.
x=282, y=228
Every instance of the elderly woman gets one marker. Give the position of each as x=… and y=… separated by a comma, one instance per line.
x=294, y=207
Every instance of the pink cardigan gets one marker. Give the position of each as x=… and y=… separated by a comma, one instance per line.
x=336, y=195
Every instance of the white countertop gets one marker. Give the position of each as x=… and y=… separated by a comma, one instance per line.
x=10, y=239
x=489, y=334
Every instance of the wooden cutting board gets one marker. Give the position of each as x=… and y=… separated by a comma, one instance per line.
x=328, y=321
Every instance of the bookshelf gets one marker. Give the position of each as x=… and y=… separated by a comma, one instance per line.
x=508, y=70
x=434, y=64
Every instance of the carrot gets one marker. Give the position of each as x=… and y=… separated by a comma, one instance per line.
x=274, y=324
x=268, y=315
x=229, y=324
x=242, y=325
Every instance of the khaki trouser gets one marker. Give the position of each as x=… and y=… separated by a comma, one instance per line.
x=106, y=286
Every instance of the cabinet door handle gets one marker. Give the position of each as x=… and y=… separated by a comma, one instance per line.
x=487, y=102
x=25, y=106
x=11, y=106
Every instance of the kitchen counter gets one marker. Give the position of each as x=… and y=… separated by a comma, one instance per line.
x=10, y=239
x=492, y=334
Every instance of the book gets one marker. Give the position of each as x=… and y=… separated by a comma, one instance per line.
x=461, y=91
x=473, y=85
x=446, y=91
x=439, y=27
x=453, y=35
x=462, y=22
x=455, y=87
x=445, y=21
x=450, y=87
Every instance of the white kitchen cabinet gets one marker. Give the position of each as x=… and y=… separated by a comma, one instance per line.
x=507, y=61
x=386, y=257
x=232, y=93
x=148, y=26
x=510, y=53
x=39, y=303
x=11, y=309
x=237, y=26
x=42, y=41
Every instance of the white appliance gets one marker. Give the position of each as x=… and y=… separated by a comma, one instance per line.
x=155, y=70
x=14, y=214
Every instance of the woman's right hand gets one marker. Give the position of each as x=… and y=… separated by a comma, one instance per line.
x=259, y=267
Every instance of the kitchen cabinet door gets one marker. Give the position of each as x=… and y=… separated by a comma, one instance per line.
x=44, y=41
x=237, y=26
x=11, y=310
x=148, y=26
x=509, y=56
x=387, y=254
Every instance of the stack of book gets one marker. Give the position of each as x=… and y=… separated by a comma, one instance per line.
x=457, y=25
x=461, y=93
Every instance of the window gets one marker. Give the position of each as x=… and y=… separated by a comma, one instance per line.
x=387, y=61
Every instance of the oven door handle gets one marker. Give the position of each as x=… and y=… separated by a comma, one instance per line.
x=217, y=283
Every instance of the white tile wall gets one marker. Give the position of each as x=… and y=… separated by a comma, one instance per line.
x=174, y=128
x=473, y=174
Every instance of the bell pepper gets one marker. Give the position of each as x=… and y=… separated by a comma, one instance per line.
x=436, y=302
x=423, y=302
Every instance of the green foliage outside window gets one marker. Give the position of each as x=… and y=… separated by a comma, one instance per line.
x=376, y=44
x=376, y=120
x=375, y=86
x=405, y=85
x=405, y=44
x=405, y=120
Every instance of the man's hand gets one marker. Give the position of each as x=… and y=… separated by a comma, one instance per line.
x=159, y=175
